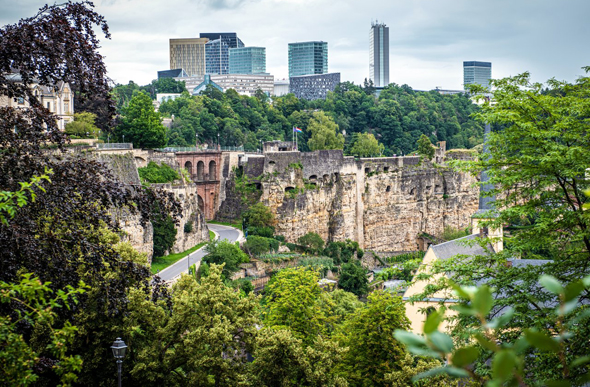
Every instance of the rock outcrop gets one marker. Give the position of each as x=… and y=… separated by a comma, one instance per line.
x=385, y=204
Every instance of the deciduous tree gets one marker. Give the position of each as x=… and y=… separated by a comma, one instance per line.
x=324, y=133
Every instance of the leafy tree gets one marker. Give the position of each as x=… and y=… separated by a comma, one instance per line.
x=202, y=341
x=373, y=352
x=292, y=303
x=425, y=147
x=312, y=242
x=223, y=252
x=536, y=160
x=164, y=234
x=57, y=237
x=141, y=125
x=18, y=357
x=281, y=359
x=353, y=278
x=83, y=125
x=324, y=133
x=365, y=145
x=258, y=215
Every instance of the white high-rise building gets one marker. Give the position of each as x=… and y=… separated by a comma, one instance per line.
x=379, y=54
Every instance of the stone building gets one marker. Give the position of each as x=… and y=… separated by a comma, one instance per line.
x=59, y=100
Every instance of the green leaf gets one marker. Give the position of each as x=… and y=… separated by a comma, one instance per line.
x=432, y=322
x=581, y=360
x=464, y=356
x=410, y=339
x=441, y=341
x=586, y=281
x=551, y=283
x=427, y=374
x=501, y=320
x=503, y=364
x=483, y=301
x=573, y=290
x=464, y=309
x=541, y=341
x=484, y=342
x=456, y=372
x=568, y=307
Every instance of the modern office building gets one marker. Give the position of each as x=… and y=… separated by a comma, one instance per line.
x=217, y=50
x=281, y=87
x=308, y=58
x=216, y=57
x=229, y=38
x=188, y=54
x=172, y=73
x=477, y=72
x=379, y=54
x=247, y=60
x=312, y=87
x=245, y=84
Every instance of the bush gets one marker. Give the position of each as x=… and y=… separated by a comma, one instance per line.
x=188, y=227
x=342, y=252
x=155, y=173
x=353, y=278
x=279, y=238
x=243, y=284
x=266, y=232
x=312, y=242
x=164, y=234
x=223, y=252
x=258, y=216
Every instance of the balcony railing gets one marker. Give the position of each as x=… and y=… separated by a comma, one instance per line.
x=176, y=149
x=115, y=145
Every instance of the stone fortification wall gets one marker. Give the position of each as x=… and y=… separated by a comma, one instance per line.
x=188, y=197
x=382, y=203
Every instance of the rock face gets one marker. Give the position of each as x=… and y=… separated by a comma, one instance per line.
x=188, y=198
x=384, y=204
x=124, y=167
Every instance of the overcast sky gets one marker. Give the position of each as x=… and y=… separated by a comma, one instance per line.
x=429, y=39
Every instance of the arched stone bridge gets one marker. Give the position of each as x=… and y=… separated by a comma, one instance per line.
x=204, y=168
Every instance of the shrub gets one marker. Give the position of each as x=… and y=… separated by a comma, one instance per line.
x=257, y=245
x=353, y=278
x=154, y=173
x=188, y=227
x=266, y=232
x=312, y=242
x=225, y=252
x=258, y=216
x=279, y=238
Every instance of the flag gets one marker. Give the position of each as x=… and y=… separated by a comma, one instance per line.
x=296, y=129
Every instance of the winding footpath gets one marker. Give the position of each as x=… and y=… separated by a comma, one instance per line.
x=181, y=266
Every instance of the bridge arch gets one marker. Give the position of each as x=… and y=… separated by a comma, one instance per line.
x=200, y=171
x=189, y=167
x=212, y=170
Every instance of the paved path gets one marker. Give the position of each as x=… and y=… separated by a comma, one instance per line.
x=181, y=266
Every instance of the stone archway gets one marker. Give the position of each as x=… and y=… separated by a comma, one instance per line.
x=200, y=171
x=212, y=170
x=189, y=167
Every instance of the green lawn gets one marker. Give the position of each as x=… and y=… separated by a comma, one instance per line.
x=211, y=236
x=161, y=263
x=235, y=224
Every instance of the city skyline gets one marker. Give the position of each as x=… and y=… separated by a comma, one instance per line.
x=428, y=40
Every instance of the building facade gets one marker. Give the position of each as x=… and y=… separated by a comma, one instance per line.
x=247, y=60
x=308, y=58
x=477, y=73
x=172, y=73
x=217, y=50
x=379, y=54
x=188, y=54
x=312, y=87
x=281, y=87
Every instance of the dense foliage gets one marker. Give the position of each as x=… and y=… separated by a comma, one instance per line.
x=141, y=124
x=154, y=173
x=396, y=119
x=58, y=238
x=536, y=159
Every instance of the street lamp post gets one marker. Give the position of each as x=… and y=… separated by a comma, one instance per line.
x=123, y=139
x=119, y=348
x=217, y=140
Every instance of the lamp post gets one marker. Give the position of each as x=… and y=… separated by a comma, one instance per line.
x=217, y=140
x=196, y=140
x=123, y=139
x=119, y=348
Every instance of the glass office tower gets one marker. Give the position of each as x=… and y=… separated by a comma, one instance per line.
x=217, y=50
x=477, y=72
x=247, y=60
x=379, y=54
x=308, y=58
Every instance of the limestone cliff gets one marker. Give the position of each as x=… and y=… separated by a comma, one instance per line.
x=382, y=203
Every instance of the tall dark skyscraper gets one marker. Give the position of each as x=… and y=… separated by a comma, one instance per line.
x=477, y=72
x=379, y=54
x=308, y=58
x=217, y=50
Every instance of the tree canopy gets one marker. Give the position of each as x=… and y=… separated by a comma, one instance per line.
x=141, y=124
